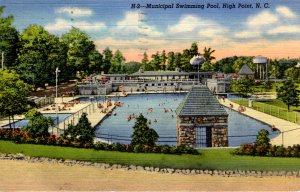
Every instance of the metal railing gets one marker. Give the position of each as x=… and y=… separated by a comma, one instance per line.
x=74, y=118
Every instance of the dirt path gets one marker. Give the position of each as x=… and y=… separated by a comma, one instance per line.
x=21, y=175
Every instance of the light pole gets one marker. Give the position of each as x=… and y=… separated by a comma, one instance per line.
x=2, y=60
x=197, y=60
x=56, y=73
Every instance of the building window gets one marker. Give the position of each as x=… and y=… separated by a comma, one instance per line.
x=153, y=84
x=146, y=85
x=158, y=84
x=172, y=83
x=166, y=84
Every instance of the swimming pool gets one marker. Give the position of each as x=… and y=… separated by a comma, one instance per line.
x=24, y=122
x=241, y=129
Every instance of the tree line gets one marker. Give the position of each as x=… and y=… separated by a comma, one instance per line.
x=172, y=60
x=35, y=54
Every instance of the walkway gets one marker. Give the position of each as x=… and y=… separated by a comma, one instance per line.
x=94, y=114
x=290, y=132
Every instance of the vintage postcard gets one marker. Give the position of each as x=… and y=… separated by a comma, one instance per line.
x=157, y=95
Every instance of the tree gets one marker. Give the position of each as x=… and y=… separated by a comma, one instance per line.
x=282, y=65
x=194, y=49
x=293, y=73
x=177, y=60
x=206, y=66
x=185, y=61
x=171, y=60
x=79, y=48
x=107, y=56
x=132, y=67
x=82, y=132
x=288, y=93
x=96, y=63
x=243, y=86
x=9, y=40
x=207, y=54
x=117, y=63
x=155, y=62
x=39, y=54
x=13, y=94
x=163, y=60
x=142, y=134
x=262, y=143
x=145, y=62
x=38, y=125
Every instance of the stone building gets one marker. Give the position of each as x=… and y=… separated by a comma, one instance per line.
x=201, y=120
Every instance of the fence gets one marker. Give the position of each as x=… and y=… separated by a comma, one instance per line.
x=44, y=101
x=74, y=118
x=279, y=112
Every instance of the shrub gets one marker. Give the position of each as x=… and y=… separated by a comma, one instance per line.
x=165, y=149
x=280, y=151
x=138, y=148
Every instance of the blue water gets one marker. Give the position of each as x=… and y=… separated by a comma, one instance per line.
x=241, y=129
x=24, y=122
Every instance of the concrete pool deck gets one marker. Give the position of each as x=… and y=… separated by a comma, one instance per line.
x=289, y=132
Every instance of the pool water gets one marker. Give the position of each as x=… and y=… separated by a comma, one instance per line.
x=241, y=129
x=24, y=122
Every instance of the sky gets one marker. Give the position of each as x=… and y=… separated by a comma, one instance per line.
x=271, y=29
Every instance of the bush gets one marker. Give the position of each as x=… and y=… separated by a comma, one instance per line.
x=280, y=151
x=165, y=149
x=138, y=148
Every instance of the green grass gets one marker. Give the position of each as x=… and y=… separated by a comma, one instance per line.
x=273, y=107
x=220, y=159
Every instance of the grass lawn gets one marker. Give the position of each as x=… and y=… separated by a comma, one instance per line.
x=220, y=159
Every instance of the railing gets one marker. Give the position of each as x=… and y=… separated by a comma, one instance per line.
x=45, y=101
x=279, y=112
x=74, y=118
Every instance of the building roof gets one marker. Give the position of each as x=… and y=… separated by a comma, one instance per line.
x=110, y=75
x=200, y=102
x=245, y=70
x=115, y=75
x=158, y=73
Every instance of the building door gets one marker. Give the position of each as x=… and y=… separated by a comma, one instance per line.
x=203, y=137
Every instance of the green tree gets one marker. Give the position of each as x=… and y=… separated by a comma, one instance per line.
x=288, y=93
x=194, y=49
x=293, y=73
x=107, y=56
x=9, y=40
x=117, y=63
x=155, y=62
x=185, y=61
x=38, y=125
x=243, y=86
x=177, y=60
x=96, y=63
x=79, y=48
x=142, y=134
x=39, y=54
x=282, y=65
x=171, y=60
x=206, y=66
x=262, y=143
x=207, y=54
x=13, y=94
x=145, y=62
x=163, y=60
x=132, y=67
x=82, y=132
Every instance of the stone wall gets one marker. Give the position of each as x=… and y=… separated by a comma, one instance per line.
x=224, y=173
x=216, y=130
